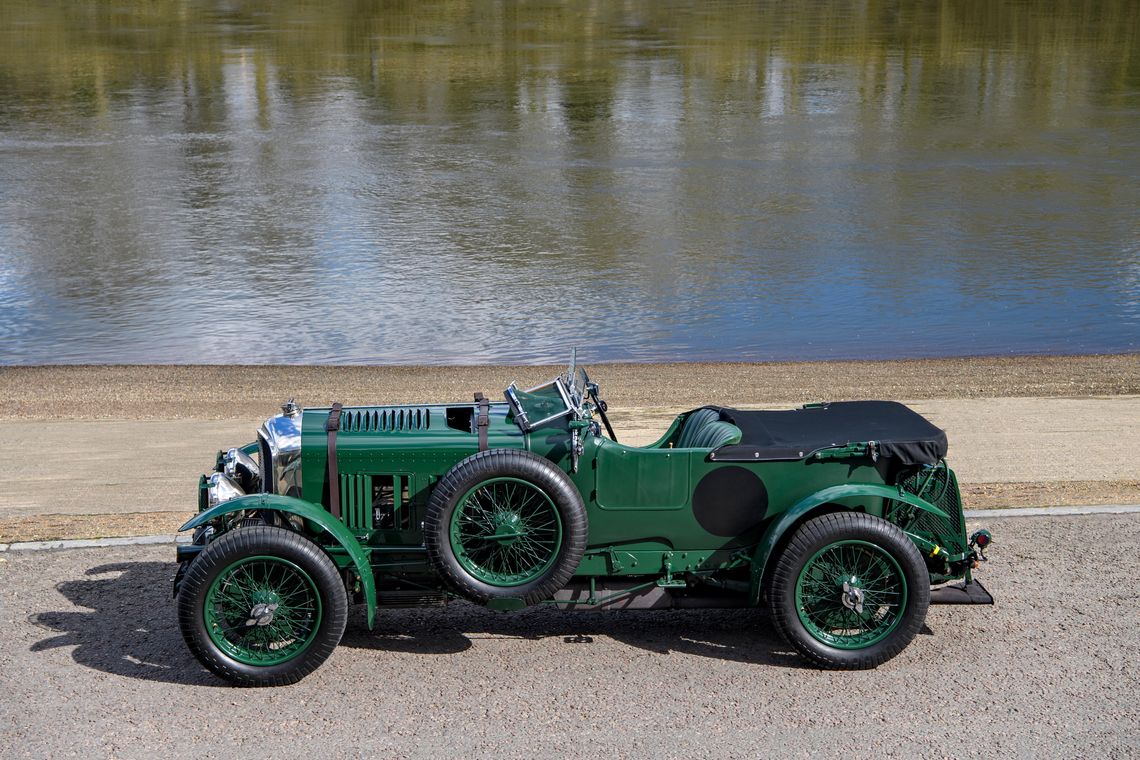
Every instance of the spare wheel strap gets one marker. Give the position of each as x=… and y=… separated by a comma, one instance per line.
x=331, y=426
x=484, y=419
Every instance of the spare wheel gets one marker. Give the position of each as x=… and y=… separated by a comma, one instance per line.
x=505, y=524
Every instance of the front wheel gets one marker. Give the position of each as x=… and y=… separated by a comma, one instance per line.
x=262, y=606
x=850, y=591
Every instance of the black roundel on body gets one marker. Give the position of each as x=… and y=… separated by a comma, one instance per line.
x=729, y=501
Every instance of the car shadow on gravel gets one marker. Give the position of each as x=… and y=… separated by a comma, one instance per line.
x=738, y=635
x=121, y=620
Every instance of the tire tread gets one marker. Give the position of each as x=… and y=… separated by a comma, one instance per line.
x=818, y=532
x=248, y=541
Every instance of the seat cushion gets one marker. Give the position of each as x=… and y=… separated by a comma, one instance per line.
x=703, y=429
x=716, y=434
x=693, y=425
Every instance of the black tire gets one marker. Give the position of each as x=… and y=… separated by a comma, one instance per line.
x=864, y=536
x=537, y=473
x=317, y=574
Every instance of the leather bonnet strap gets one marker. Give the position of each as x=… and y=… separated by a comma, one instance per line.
x=332, y=424
x=484, y=419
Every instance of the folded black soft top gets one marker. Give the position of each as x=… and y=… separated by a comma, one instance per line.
x=899, y=432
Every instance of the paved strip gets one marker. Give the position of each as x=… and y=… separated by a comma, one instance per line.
x=94, y=543
x=170, y=538
x=1101, y=509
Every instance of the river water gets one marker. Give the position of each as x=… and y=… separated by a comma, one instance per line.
x=295, y=181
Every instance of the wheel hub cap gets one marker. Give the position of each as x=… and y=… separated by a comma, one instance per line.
x=506, y=528
x=852, y=596
x=261, y=614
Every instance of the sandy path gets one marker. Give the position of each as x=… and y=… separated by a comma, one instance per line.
x=118, y=450
x=1007, y=452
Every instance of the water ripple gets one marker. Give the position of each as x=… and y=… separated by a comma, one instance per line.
x=649, y=182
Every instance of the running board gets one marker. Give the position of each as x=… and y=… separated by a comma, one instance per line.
x=961, y=593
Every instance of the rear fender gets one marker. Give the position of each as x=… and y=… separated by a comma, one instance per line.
x=816, y=503
x=310, y=512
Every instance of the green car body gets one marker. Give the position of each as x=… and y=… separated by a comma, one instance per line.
x=526, y=501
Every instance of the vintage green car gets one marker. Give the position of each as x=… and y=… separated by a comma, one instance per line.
x=842, y=519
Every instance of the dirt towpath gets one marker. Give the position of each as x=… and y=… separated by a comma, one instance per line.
x=107, y=451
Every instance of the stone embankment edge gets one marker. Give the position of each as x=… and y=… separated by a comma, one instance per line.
x=971, y=514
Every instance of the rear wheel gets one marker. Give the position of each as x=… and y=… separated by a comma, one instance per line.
x=850, y=591
x=262, y=606
x=505, y=524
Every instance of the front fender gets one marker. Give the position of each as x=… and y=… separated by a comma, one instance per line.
x=311, y=512
x=789, y=518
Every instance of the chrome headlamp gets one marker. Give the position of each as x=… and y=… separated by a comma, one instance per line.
x=241, y=468
x=220, y=488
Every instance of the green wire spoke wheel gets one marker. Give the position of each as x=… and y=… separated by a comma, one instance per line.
x=506, y=525
x=262, y=606
x=263, y=610
x=506, y=532
x=850, y=590
x=851, y=594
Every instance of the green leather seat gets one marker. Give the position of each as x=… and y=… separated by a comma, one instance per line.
x=703, y=429
x=693, y=425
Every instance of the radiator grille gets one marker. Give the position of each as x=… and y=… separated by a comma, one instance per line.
x=265, y=461
x=385, y=420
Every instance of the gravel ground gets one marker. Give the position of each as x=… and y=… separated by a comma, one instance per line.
x=95, y=666
x=235, y=392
